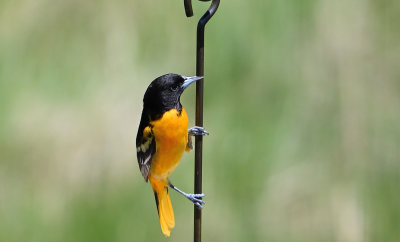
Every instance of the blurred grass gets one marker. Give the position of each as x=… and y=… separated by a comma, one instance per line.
x=302, y=103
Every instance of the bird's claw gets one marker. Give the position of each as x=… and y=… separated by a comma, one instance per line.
x=198, y=205
x=196, y=199
x=196, y=130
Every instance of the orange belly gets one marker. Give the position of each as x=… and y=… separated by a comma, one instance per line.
x=171, y=134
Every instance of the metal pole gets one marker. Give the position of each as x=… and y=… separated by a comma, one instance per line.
x=198, y=156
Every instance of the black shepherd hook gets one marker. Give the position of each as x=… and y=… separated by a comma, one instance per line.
x=198, y=156
x=188, y=7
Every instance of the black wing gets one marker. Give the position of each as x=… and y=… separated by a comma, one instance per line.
x=145, y=145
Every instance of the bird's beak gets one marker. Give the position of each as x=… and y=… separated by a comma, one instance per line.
x=189, y=80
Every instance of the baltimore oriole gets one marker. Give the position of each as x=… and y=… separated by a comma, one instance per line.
x=162, y=137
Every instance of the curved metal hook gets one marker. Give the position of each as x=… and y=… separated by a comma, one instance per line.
x=210, y=12
x=199, y=108
x=188, y=7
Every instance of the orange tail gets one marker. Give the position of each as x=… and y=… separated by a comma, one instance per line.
x=164, y=206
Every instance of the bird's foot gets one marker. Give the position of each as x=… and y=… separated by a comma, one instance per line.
x=196, y=199
x=196, y=130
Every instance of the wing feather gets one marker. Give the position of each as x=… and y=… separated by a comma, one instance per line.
x=145, y=145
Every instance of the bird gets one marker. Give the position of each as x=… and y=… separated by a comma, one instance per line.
x=162, y=138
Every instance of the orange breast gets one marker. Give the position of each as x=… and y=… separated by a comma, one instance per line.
x=171, y=134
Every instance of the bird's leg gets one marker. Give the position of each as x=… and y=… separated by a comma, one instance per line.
x=196, y=130
x=195, y=198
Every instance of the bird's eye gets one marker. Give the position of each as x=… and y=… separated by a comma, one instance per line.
x=174, y=88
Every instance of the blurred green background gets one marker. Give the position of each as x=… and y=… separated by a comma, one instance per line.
x=302, y=100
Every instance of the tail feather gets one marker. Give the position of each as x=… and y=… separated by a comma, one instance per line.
x=164, y=206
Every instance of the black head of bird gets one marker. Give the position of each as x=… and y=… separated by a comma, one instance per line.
x=164, y=93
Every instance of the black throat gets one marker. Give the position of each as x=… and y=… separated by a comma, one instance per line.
x=155, y=110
